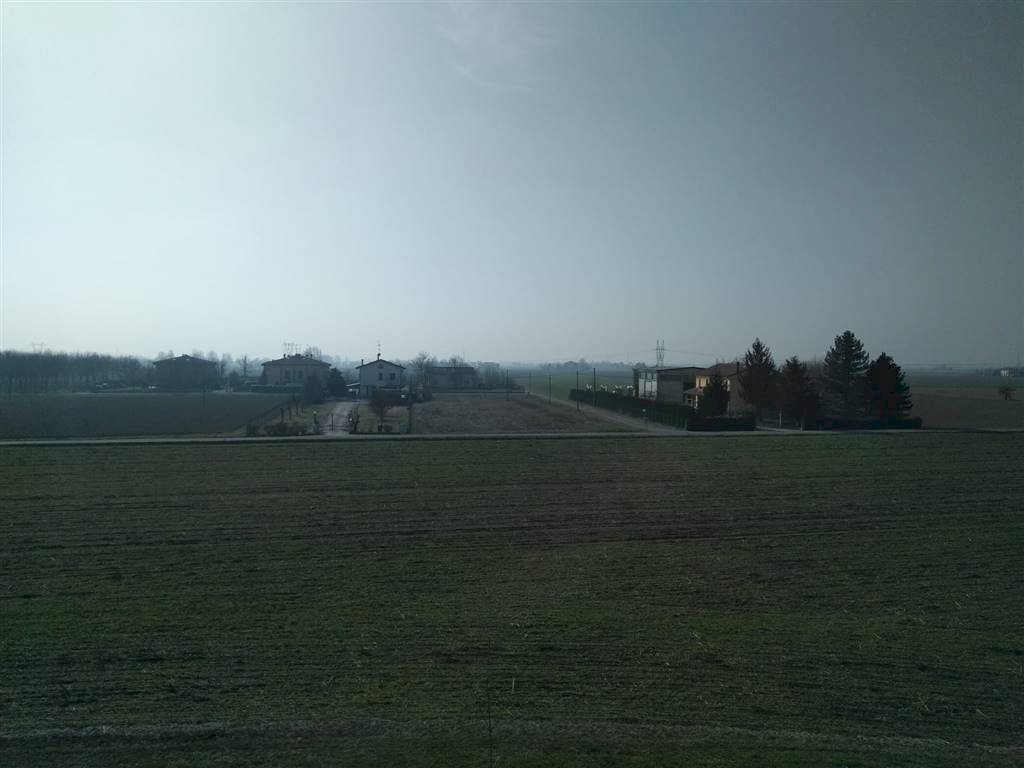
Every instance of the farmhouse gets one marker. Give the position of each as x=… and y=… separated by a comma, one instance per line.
x=380, y=374
x=185, y=373
x=294, y=369
x=442, y=377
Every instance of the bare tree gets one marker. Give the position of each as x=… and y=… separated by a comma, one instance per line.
x=223, y=364
x=380, y=404
x=244, y=362
x=419, y=366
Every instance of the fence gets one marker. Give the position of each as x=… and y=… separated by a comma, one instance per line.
x=639, y=408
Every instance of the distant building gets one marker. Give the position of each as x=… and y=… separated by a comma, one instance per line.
x=666, y=385
x=380, y=374
x=730, y=373
x=683, y=385
x=294, y=369
x=185, y=374
x=442, y=377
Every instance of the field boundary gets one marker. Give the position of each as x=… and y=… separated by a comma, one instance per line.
x=674, y=434
x=509, y=728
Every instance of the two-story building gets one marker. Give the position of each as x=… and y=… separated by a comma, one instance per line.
x=294, y=370
x=730, y=373
x=380, y=374
x=666, y=385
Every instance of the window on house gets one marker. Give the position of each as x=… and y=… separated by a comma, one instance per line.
x=392, y=377
x=380, y=377
x=287, y=375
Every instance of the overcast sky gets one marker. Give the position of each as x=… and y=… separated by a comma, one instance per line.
x=514, y=182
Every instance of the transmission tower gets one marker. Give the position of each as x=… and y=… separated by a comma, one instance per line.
x=659, y=352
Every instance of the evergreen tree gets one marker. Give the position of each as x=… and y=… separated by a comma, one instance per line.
x=313, y=393
x=845, y=365
x=885, y=391
x=798, y=395
x=714, y=398
x=757, y=379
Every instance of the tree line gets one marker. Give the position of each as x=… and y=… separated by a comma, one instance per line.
x=849, y=386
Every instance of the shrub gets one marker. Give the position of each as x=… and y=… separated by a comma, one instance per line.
x=277, y=429
x=893, y=422
x=662, y=413
x=720, y=423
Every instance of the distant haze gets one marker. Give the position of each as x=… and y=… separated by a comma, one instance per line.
x=527, y=182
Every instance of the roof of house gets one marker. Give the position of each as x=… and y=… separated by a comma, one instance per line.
x=297, y=360
x=380, y=360
x=668, y=369
x=184, y=359
x=680, y=369
x=725, y=370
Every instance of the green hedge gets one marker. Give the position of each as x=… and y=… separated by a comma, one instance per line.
x=891, y=423
x=661, y=413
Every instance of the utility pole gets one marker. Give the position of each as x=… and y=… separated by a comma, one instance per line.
x=595, y=387
x=529, y=383
x=549, y=389
x=577, y=389
x=412, y=397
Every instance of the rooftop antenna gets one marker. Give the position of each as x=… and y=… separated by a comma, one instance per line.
x=659, y=352
x=378, y=350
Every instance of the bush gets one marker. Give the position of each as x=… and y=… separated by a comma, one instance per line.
x=661, y=413
x=720, y=423
x=893, y=422
x=277, y=429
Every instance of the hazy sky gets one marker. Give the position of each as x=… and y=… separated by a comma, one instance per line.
x=514, y=182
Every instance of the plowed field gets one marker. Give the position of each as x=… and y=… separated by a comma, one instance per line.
x=837, y=600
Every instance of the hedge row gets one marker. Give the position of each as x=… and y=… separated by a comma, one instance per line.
x=720, y=423
x=661, y=413
x=890, y=423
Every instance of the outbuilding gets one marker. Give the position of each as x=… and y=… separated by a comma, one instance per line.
x=185, y=373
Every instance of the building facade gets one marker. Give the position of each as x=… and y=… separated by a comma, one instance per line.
x=666, y=385
x=380, y=374
x=186, y=374
x=730, y=373
x=294, y=370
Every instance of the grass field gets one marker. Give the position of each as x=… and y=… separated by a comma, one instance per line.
x=108, y=414
x=802, y=601
x=481, y=414
x=968, y=408
x=561, y=383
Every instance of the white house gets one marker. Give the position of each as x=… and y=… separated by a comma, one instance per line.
x=380, y=374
